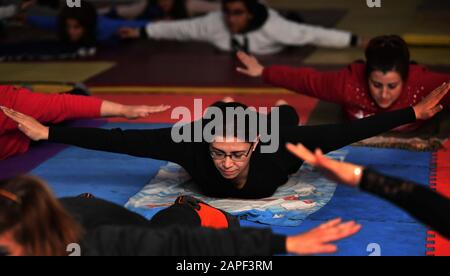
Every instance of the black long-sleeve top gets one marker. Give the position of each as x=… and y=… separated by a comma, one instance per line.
x=267, y=171
x=112, y=230
x=182, y=241
x=424, y=204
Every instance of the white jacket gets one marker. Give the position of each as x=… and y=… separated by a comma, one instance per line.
x=7, y=11
x=276, y=33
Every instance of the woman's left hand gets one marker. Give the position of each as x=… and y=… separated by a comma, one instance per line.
x=339, y=172
x=430, y=105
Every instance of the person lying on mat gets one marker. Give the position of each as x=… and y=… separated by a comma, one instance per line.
x=232, y=163
x=54, y=109
x=34, y=223
x=79, y=31
x=82, y=26
x=387, y=81
x=245, y=25
x=424, y=204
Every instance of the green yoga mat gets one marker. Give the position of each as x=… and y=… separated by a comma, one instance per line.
x=29, y=72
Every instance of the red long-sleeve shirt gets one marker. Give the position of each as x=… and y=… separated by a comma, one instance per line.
x=349, y=86
x=46, y=108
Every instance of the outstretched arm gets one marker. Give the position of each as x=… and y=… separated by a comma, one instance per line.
x=183, y=30
x=111, y=109
x=208, y=242
x=155, y=143
x=333, y=137
x=427, y=206
x=7, y=11
x=327, y=86
x=295, y=34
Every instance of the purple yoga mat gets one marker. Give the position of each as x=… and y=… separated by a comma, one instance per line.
x=39, y=153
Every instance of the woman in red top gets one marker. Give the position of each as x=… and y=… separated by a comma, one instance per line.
x=53, y=109
x=386, y=82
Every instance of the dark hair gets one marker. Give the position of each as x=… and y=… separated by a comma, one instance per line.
x=36, y=219
x=388, y=53
x=258, y=10
x=243, y=130
x=154, y=11
x=86, y=15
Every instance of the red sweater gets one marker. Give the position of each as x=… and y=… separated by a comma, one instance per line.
x=46, y=108
x=349, y=86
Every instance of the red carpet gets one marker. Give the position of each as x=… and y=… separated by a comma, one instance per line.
x=304, y=105
x=440, y=181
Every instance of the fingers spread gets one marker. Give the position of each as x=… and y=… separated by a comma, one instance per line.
x=442, y=92
x=342, y=231
x=331, y=223
x=303, y=153
x=243, y=71
x=436, y=110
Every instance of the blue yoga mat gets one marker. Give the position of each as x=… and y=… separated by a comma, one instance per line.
x=384, y=225
x=114, y=177
x=117, y=177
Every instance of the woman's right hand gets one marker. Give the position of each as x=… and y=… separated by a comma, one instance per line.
x=430, y=105
x=28, y=125
x=340, y=172
x=252, y=67
x=320, y=240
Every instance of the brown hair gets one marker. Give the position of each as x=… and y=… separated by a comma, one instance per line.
x=36, y=219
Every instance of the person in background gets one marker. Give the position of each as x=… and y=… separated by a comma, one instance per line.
x=8, y=11
x=82, y=26
x=245, y=25
x=173, y=9
x=386, y=81
x=231, y=163
x=427, y=206
x=164, y=10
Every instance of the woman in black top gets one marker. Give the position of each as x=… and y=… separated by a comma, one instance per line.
x=33, y=222
x=233, y=169
x=424, y=204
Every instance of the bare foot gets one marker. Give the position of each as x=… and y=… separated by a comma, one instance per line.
x=281, y=102
x=228, y=100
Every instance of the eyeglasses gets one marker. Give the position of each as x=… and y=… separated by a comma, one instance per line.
x=235, y=156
